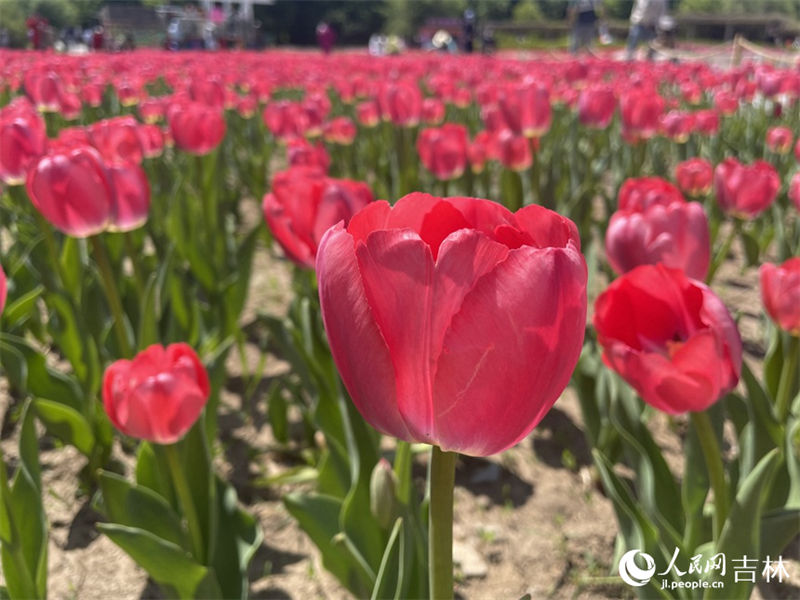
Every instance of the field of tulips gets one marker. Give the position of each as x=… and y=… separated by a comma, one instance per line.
x=290, y=325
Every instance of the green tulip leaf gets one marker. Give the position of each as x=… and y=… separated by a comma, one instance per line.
x=67, y=424
x=741, y=533
x=390, y=576
x=21, y=308
x=318, y=516
x=140, y=507
x=168, y=564
x=239, y=537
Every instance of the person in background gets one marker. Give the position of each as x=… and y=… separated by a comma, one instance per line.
x=644, y=20
x=37, y=31
x=326, y=36
x=584, y=16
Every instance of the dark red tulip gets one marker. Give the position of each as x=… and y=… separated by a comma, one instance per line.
x=639, y=193
x=453, y=300
x=670, y=337
x=745, y=191
x=304, y=203
x=675, y=235
x=695, y=177
x=780, y=293
x=596, y=106
x=443, y=150
x=158, y=395
x=196, y=128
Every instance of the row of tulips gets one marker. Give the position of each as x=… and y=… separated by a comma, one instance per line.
x=432, y=309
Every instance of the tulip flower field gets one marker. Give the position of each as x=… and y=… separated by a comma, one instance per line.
x=283, y=324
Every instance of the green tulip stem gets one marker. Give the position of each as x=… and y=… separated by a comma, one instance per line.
x=716, y=470
x=133, y=255
x=721, y=255
x=112, y=294
x=440, y=524
x=786, y=382
x=185, y=500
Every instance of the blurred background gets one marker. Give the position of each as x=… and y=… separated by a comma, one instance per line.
x=473, y=25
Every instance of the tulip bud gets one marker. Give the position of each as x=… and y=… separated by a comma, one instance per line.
x=383, y=493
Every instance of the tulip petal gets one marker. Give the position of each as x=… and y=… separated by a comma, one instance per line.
x=397, y=271
x=360, y=352
x=515, y=345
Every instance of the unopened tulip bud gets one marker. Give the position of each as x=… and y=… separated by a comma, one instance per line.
x=383, y=493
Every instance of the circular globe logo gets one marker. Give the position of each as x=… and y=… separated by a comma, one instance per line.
x=631, y=573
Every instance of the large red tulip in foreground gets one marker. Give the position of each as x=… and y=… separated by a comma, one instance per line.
x=158, y=395
x=453, y=321
x=780, y=292
x=670, y=337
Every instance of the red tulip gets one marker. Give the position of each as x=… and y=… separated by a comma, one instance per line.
x=118, y=140
x=779, y=139
x=706, y=122
x=401, y=103
x=304, y=203
x=726, y=102
x=453, y=300
x=158, y=395
x=340, y=130
x=368, y=113
x=131, y=197
x=780, y=293
x=596, y=106
x=677, y=125
x=526, y=108
x=302, y=153
x=22, y=141
x=196, y=128
x=443, y=150
x=745, y=191
x=514, y=151
x=675, y=235
x=73, y=190
x=639, y=193
x=695, y=177
x=432, y=111
x=794, y=190
x=152, y=110
x=152, y=139
x=641, y=111
x=670, y=337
